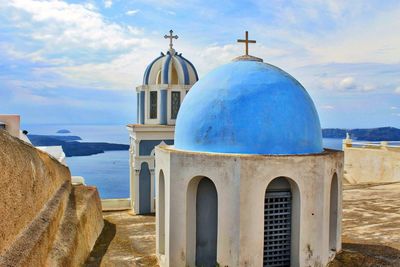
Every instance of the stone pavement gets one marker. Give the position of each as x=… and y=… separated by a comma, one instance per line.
x=371, y=232
x=126, y=240
x=371, y=226
x=371, y=215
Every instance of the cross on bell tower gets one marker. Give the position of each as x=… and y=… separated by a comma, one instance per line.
x=247, y=41
x=170, y=37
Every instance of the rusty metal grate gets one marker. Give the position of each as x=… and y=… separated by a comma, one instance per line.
x=277, y=228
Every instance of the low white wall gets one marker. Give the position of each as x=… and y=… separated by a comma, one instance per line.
x=371, y=165
x=116, y=204
x=55, y=151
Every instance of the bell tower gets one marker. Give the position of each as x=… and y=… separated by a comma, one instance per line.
x=166, y=81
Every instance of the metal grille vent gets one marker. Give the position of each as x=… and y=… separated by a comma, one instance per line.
x=277, y=228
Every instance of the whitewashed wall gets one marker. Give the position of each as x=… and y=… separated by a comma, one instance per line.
x=241, y=181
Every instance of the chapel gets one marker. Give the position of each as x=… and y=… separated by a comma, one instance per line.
x=247, y=181
x=166, y=81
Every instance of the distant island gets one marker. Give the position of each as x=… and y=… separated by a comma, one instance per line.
x=52, y=140
x=373, y=134
x=63, y=131
x=73, y=148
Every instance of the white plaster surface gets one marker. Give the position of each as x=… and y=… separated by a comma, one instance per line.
x=371, y=165
x=241, y=181
x=170, y=88
x=12, y=123
x=137, y=133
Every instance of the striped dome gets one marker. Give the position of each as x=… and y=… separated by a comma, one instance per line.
x=170, y=68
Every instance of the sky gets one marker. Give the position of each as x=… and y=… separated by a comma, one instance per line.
x=78, y=62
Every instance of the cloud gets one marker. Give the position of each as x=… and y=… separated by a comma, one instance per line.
x=215, y=54
x=67, y=27
x=329, y=107
x=346, y=84
x=393, y=108
x=165, y=3
x=108, y=3
x=9, y=50
x=349, y=83
x=397, y=90
x=345, y=47
x=74, y=45
x=334, y=31
x=170, y=12
x=125, y=72
x=352, y=43
x=132, y=12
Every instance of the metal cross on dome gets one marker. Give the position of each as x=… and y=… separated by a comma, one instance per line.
x=247, y=41
x=170, y=37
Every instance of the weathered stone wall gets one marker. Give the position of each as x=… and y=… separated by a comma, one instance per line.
x=45, y=221
x=80, y=227
x=28, y=180
x=371, y=165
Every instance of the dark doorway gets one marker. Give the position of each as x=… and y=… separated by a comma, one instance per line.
x=206, y=223
x=144, y=189
x=333, y=213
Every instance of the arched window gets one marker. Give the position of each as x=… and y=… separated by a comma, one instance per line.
x=153, y=104
x=175, y=103
x=333, y=213
x=281, y=223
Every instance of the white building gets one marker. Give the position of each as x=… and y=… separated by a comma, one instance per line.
x=166, y=82
x=248, y=182
x=12, y=124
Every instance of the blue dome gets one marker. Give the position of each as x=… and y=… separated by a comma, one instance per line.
x=248, y=107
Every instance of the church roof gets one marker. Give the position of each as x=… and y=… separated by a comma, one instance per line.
x=248, y=107
x=170, y=68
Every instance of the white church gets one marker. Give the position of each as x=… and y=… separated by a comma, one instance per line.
x=167, y=80
x=244, y=180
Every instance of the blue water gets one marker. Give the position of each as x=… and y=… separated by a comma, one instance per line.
x=333, y=143
x=108, y=171
x=89, y=133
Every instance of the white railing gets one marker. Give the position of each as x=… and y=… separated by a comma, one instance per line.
x=371, y=144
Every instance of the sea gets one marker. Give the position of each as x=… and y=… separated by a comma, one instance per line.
x=108, y=171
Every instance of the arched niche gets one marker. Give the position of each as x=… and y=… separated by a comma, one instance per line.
x=174, y=75
x=161, y=212
x=333, y=213
x=158, y=80
x=202, y=222
x=281, y=223
x=144, y=189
